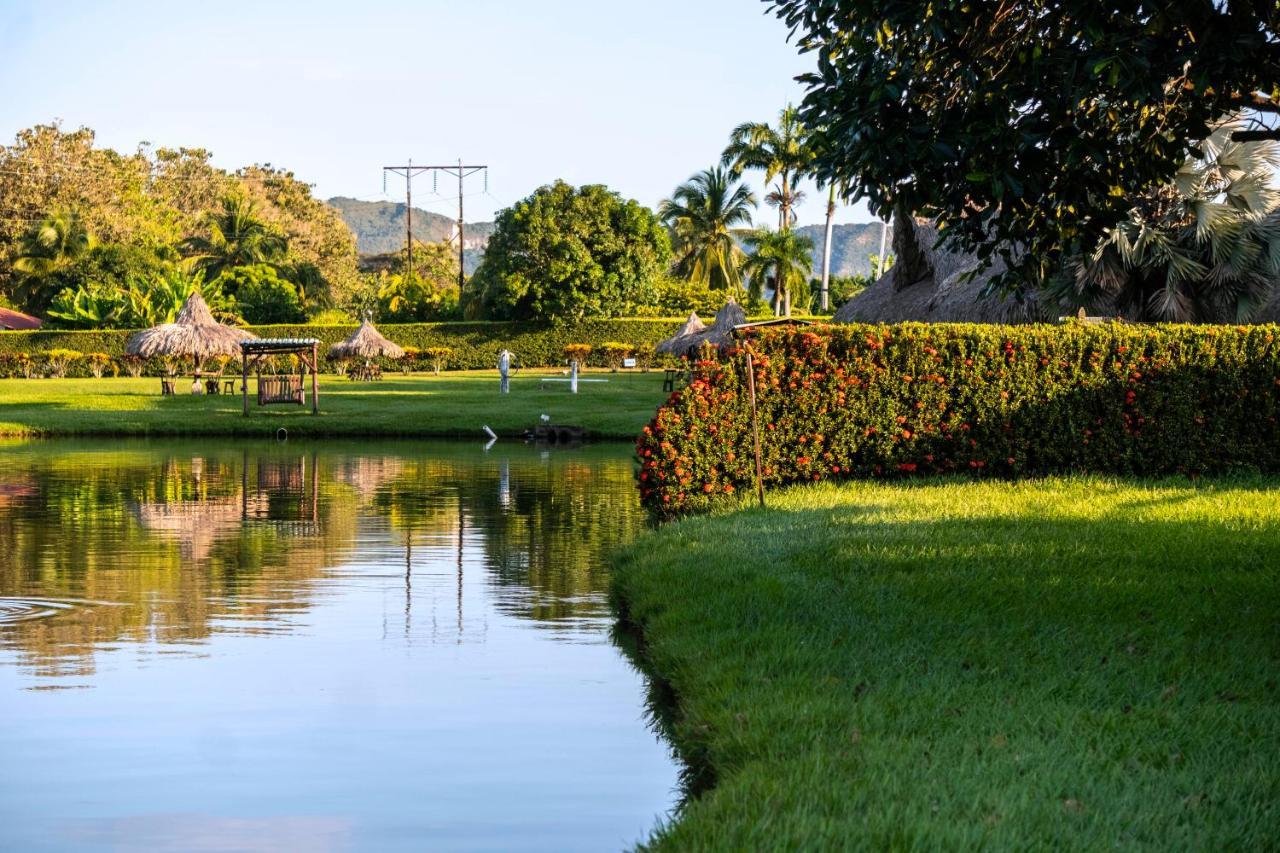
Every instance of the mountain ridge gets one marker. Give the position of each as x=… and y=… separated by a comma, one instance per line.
x=379, y=228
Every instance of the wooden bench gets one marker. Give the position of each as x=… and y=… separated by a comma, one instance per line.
x=671, y=378
x=280, y=389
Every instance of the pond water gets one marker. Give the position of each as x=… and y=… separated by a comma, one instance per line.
x=218, y=646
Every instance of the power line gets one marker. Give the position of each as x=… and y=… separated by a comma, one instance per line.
x=461, y=172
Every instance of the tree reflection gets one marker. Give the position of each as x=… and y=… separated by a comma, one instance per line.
x=193, y=540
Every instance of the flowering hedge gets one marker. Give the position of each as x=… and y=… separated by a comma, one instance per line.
x=914, y=399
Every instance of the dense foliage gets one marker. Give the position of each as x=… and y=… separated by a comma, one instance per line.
x=567, y=253
x=1026, y=128
x=87, y=219
x=882, y=401
x=1203, y=248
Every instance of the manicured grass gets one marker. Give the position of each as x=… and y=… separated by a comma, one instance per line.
x=1062, y=664
x=453, y=404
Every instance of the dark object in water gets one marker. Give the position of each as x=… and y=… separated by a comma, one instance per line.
x=556, y=433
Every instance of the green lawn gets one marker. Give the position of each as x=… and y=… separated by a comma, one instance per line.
x=453, y=404
x=1062, y=664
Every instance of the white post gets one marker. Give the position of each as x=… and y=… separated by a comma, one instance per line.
x=573, y=376
x=504, y=367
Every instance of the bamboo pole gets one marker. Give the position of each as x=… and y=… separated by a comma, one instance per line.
x=755, y=426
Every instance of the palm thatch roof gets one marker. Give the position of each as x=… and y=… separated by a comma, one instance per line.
x=366, y=342
x=675, y=343
x=929, y=284
x=719, y=333
x=194, y=334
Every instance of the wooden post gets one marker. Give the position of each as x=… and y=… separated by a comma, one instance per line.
x=315, y=379
x=755, y=425
x=244, y=381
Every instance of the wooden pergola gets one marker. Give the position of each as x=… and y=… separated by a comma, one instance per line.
x=281, y=389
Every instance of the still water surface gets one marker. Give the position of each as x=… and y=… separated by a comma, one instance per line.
x=211, y=646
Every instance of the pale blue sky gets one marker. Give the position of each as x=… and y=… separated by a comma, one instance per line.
x=635, y=95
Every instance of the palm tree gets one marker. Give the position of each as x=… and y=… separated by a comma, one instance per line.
x=780, y=152
x=237, y=237
x=46, y=249
x=702, y=214
x=784, y=256
x=1204, y=248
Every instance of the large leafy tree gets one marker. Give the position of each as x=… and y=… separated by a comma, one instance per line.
x=567, y=253
x=780, y=151
x=1205, y=247
x=703, y=214
x=235, y=236
x=1026, y=128
x=784, y=257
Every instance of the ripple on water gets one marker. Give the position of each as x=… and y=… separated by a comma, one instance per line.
x=25, y=609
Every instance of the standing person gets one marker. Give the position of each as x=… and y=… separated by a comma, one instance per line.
x=504, y=370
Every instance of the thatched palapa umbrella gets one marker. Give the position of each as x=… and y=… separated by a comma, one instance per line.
x=727, y=319
x=676, y=343
x=719, y=333
x=194, y=334
x=366, y=342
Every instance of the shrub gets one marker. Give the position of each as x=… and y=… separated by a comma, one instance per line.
x=58, y=360
x=13, y=364
x=644, y=356
x=615, y=352
x=578, y=353
x=439, y=357
x=98, y=362
x=890, y=401
x=133, y=365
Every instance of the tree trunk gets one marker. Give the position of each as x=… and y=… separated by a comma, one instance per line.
x=910, y=263
x=826, y=249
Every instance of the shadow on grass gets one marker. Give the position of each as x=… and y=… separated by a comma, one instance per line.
x=1097, y=646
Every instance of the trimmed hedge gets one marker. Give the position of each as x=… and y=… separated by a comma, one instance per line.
x=914, y=399
x=474, y=345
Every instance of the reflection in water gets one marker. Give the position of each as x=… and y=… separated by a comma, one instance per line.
x=391, y=646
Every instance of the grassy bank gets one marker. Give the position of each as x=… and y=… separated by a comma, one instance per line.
x=453, y=404
x=1072, y=663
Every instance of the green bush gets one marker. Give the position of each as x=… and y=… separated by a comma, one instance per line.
x=475, y=345
x=887, y=401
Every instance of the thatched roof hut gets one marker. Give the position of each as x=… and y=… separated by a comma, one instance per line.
x=675, y=343
x=929, y=284
x=719, y=333
x=366, y=342
x=194, y=334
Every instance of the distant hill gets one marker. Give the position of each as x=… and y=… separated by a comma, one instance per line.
x=851, y=247
x=379, y=230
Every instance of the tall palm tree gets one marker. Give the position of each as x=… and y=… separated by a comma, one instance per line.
x=784, y=256
x=702, y=214
x=47, y=248
x=781, y=152
x=1204, y=248
x=236, y=237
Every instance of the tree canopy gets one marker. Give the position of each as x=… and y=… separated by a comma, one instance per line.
x=81, y=217
x=1027, y=128
x=566, y=253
